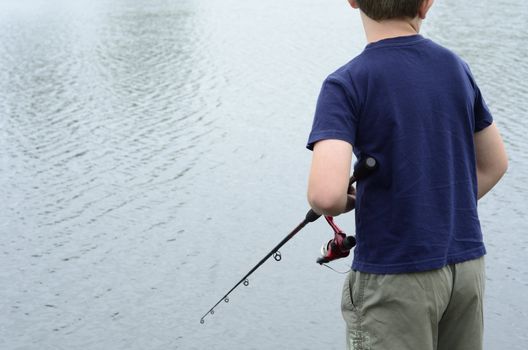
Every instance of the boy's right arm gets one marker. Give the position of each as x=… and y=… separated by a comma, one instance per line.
x=492, y=161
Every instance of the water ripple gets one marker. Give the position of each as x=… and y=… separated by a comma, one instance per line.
x=137, y=135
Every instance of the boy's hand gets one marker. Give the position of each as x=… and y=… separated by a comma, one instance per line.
x=351, y=199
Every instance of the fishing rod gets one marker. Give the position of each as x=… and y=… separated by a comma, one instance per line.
x=363, y=168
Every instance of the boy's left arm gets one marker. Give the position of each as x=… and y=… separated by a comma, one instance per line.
x=329, y=177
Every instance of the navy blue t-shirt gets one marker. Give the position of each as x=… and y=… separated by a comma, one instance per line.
x=414, y=106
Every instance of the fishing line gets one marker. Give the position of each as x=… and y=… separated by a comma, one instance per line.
x=339, y=272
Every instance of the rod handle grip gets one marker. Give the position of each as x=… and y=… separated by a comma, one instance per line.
x=363, y=169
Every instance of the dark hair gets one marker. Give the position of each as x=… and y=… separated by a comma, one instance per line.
x=387, y=9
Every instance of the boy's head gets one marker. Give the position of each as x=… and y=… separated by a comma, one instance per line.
x=379, y=10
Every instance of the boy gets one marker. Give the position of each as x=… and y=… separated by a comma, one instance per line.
x=417, y=277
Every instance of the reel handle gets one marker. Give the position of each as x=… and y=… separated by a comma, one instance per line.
x=349, y=242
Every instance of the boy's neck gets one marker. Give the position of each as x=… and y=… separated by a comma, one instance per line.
x=391, y=28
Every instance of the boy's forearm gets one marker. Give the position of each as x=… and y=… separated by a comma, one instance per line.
x=491, y=159
x=486, y=181
x=329, y=176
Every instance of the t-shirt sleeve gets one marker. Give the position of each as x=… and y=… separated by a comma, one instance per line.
x=483, y=117
x=335, y=116
x=482, y=114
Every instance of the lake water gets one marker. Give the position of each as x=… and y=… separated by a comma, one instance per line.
x=153, y=151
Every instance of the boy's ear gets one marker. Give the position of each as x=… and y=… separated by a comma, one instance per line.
x=353, y=3
x=424, y=8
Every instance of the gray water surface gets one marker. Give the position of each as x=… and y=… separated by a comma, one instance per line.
x=151, y=152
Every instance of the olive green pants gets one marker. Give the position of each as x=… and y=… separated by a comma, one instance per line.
x=432, y=310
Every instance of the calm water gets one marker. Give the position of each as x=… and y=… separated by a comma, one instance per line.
x=153, y=151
